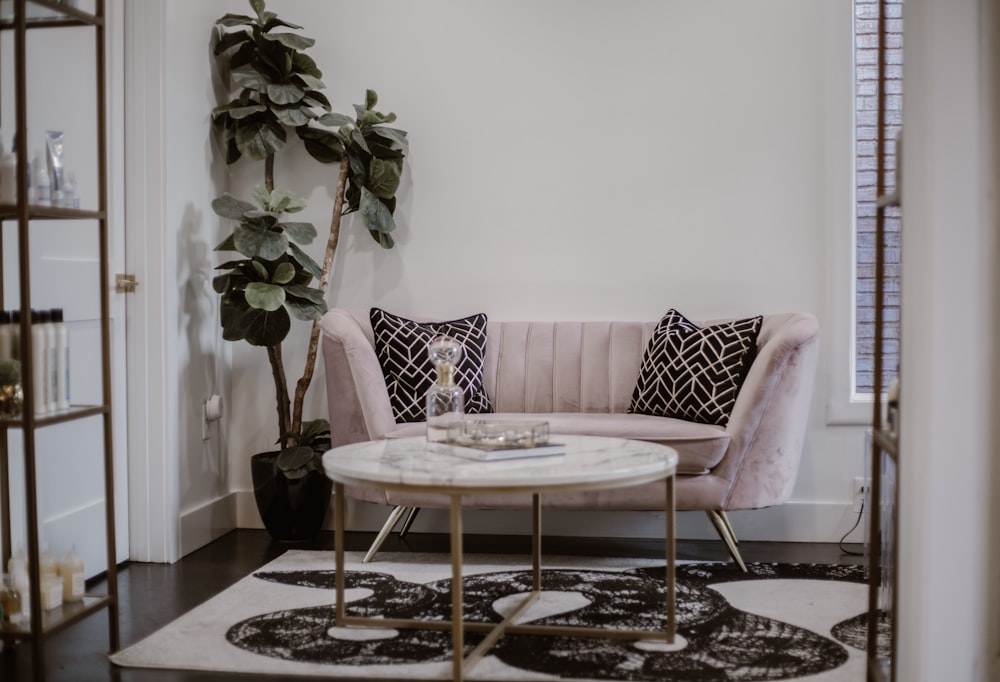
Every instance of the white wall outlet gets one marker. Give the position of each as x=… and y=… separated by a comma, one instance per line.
x=860, y=493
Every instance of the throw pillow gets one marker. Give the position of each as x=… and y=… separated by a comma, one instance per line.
x=401, y=346
x=694, y=373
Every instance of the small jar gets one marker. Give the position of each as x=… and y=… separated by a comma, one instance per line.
x=10, y=600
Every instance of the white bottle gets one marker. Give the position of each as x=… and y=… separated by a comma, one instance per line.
x=6, y=336
x=39, y=375
x=8, y=178
x=51, y=365
x=43, y=184
x=61, y=359
x=71, y=570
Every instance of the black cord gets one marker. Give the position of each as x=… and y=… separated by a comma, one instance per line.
x=841, y=543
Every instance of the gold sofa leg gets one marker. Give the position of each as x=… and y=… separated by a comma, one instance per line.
x=390, y=523
x=725, y=531
x=408, y=521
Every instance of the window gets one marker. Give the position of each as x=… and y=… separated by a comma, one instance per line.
x=866, y=13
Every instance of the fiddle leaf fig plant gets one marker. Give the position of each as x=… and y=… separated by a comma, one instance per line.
x=276, y=97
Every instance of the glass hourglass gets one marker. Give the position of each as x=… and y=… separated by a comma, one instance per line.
x=445, y=402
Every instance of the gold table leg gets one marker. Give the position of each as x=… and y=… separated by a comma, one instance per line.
x=457, y=598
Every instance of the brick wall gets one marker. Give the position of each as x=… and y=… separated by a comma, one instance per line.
x=866, y=103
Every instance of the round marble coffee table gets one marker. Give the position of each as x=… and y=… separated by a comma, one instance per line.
x=589, y=463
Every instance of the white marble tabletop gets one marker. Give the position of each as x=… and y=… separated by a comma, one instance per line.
x=590, y=462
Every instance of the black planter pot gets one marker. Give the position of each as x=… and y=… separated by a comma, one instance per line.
x=293, y=510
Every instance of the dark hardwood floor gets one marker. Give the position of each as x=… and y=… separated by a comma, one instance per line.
x=152, y=595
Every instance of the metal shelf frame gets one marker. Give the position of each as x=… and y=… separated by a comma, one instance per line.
x=19, y=17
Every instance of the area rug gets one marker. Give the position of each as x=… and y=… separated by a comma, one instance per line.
x=777, y=622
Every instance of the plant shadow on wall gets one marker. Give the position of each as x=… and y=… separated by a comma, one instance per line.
x=277, y=93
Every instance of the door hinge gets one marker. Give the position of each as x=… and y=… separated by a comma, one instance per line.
x=125, y=284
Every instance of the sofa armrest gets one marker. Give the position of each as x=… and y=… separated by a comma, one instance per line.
x=356, y=391
x=768, y=422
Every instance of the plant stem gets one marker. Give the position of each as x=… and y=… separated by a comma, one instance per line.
x=331, y=248
x=269, y=172
x=280, y=390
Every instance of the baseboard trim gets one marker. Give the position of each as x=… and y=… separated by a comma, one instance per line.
x=790, y=522
x=201, y=525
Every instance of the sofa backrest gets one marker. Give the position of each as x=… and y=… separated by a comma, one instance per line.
x=563, y=366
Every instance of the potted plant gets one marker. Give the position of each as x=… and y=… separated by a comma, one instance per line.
x=272, y=280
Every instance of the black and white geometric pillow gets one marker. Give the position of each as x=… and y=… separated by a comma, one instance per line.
x=401, y=346
x=694, y=373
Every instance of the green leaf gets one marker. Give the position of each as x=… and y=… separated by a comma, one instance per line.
x=383, y=176
x=247, y=76
x=234, y=20
x=258, y=243
x=335, y=120
x=316, y=99
x=257, y=6
x=229, y=206
x=294, y=115
x=264, y=328
x=359, y=139
x=305, y=293
x=239, y=113
x=261, y=196
x=228, y=40
x=303, y=63
x=259, y=270
x=300, y=233
x=226, y=244
x=384, y=239
x=305, y=310
x=322, y=145
x=290, y=40
x=371, y=99
x=260, y=140
x=305, y=261
x=284, y=273
x=376, y=214
x=311, y=82
x=265, y=296
x=284, y=93
x=296, y=461
x=275, y=22
x=396, y=137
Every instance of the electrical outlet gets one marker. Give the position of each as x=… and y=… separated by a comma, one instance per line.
x=860, y=493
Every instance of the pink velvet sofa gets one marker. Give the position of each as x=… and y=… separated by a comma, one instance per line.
x=579, y=376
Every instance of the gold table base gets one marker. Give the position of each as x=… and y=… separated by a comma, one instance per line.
x=458, y=626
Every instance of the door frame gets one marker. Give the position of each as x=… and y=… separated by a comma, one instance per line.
x=150, y=346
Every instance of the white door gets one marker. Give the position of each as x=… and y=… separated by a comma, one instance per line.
x=65, y=274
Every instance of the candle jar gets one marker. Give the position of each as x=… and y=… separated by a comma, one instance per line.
x=445, y=401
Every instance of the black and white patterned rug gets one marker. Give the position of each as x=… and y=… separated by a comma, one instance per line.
x=779, y=622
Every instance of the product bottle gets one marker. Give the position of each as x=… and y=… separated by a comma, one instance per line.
x=51, y=366
x=8, y=178
x=71, y=570
x=6, y=336
x=10, y=599
x=18, y=567
x=39, y=375
x=61, y=359
x=15, y=338
x=43, y=184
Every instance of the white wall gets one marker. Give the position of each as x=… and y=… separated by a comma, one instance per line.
x=569, y=160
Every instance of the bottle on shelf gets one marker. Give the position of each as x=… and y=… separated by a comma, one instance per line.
x=71, y=569
x=39, y=374
x=51, y=366
x=15, y=339
x=43, y=184
x=61, y=359
x=7, y=332
x=8, y=178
